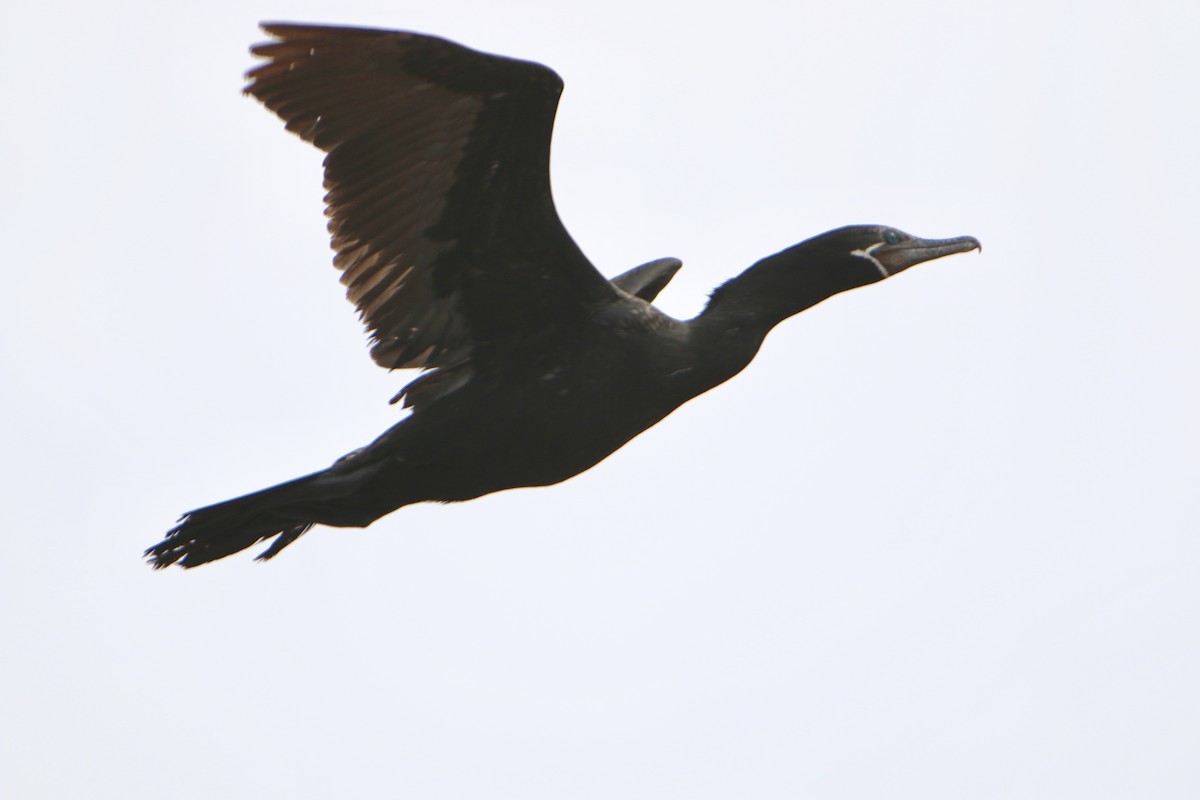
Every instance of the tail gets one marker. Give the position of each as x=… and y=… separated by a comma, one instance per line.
x=216, y=531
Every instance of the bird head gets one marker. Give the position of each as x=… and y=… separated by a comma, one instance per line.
x=878, y=252
x=805, y=274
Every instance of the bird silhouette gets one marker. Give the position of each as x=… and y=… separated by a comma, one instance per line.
x=534, y=366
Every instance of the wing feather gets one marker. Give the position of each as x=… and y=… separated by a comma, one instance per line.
x=437, y=188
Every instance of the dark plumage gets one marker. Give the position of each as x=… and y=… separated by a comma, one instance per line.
x=535, y=366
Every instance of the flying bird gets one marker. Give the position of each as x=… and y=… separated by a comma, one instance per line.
x=534, y=367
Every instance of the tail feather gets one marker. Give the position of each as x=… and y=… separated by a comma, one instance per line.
x=213, y=532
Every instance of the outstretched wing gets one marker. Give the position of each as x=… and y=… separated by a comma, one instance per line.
x=438, y=186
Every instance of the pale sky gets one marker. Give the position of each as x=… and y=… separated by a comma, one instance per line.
x=940, y=540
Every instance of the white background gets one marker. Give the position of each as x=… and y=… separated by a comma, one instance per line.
x=939, y=541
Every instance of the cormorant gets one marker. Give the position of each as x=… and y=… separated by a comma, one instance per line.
x=535, y=367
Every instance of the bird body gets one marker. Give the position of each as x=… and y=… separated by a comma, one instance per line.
x=535, y=366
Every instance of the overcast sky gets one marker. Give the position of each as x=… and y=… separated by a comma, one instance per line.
x=940, y=540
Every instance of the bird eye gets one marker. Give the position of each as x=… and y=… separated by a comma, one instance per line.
x=891, y=237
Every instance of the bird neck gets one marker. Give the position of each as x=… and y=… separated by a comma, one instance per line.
x=769, y=292
x=742, y=311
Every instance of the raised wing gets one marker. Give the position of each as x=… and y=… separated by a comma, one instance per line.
x=438, y=186
x=647, y=280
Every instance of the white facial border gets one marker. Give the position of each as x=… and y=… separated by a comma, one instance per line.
x=867, y=254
